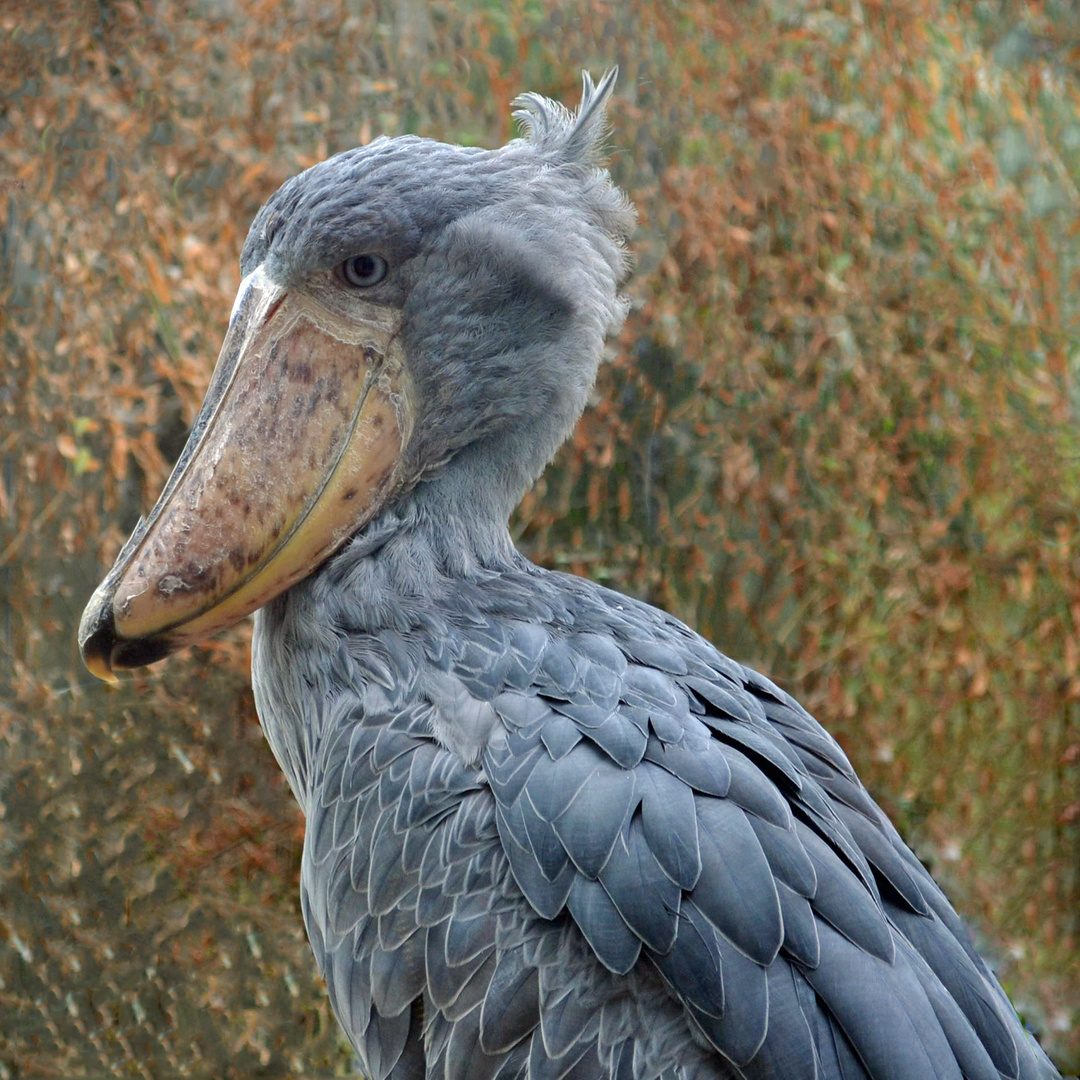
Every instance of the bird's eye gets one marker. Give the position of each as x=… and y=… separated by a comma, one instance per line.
x=363, y=271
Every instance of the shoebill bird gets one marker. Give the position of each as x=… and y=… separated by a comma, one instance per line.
x=551, y=831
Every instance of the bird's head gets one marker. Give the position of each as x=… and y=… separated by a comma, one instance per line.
x=409, y=310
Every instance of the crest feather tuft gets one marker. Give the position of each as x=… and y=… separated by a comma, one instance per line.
x=570, y=137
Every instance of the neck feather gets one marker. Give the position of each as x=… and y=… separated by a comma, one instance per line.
x=393, y=576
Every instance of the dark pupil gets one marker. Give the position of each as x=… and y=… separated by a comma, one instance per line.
x=363, y=266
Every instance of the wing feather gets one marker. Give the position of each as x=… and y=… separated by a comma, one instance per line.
x=658, y=852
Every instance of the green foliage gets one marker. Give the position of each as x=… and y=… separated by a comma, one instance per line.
x=838, y=435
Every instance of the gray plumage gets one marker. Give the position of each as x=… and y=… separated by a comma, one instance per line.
x=552, y=832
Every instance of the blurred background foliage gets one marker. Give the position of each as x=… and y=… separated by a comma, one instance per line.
x=838, y=435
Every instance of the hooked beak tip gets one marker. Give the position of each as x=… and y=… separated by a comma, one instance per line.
x=103, y=649
x=97, y=642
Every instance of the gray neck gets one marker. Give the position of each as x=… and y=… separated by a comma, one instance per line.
x=484, y=480
x=452, y=525
x=392, y=578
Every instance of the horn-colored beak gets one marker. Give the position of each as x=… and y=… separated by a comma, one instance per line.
x=297, y=445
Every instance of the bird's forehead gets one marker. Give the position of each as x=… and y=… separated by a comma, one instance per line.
x=392, y=194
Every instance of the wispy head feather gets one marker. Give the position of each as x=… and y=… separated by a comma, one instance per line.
x=562, y=135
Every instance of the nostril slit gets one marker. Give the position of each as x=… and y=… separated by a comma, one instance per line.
x=274, y=307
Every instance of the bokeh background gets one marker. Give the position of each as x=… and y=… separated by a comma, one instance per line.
x=838, y=434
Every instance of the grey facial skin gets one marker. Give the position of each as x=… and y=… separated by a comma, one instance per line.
x=551, y=831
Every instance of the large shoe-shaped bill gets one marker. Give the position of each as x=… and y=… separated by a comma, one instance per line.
x=297, y=445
